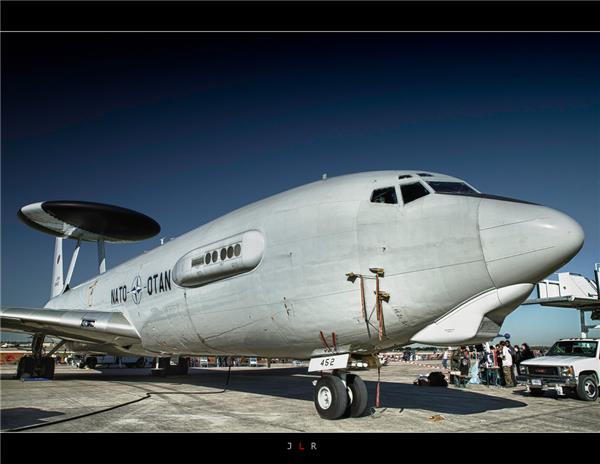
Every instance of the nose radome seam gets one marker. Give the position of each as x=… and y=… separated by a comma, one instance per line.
x=521, y=253
x=526, y=249
x=512, y=223
x=481, y=247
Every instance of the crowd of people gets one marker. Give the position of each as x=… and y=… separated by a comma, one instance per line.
x=497, y=364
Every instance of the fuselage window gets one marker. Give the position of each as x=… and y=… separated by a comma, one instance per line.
x=451, y=187
x=384, y=195
x=213, y=256
x=412, y=192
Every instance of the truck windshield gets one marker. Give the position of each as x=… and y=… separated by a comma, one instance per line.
x=573, y=348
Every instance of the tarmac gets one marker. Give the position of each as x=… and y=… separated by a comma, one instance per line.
x=275, y=399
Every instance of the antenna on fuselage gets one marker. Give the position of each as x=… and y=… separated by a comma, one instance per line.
x=89, y=222
x=58, y=286
x=57, y=269
x=71, y=265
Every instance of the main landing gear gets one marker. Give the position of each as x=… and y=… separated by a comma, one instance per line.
x=38, y=365
x=340, y=394
x=164, y=367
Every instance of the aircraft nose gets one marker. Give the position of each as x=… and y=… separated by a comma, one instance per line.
x=523, y=243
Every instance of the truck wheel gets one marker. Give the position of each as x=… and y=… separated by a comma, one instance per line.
x=587, y=389
x=536, y=391
x=330, y=397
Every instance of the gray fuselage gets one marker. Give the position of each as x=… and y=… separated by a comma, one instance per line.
x=438, y=252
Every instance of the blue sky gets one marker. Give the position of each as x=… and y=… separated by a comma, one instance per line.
x=187, y=127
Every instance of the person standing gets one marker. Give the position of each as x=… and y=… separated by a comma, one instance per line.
x=516, y=360
x=507, y=363
x=497, y=366
x=526, y=352
x=488, y=365
x=499, y=347
x=464, y=365
x=455, y=366
x=445, y=358
x=516, y=354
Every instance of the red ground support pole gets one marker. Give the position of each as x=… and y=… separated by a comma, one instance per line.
x=324, y=340
x=379, y=309
x=377, y=398
x=362, y=297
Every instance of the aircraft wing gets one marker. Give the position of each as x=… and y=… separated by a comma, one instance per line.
x=72, y=324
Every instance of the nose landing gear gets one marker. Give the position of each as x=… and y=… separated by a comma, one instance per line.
x=358, y=395
x=331, y=397
x=340, y=395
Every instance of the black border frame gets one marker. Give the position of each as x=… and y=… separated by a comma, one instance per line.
x=299, y=16
x=71, y=16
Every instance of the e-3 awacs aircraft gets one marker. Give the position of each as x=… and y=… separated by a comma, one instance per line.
x=334, y=271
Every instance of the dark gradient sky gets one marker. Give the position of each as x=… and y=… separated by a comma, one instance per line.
x=187, y=127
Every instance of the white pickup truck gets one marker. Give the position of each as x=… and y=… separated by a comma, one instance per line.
x=571, y=366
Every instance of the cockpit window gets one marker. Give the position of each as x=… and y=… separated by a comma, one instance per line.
x=384, y=195
x=412, y=192
x=451, y=187
x=424, y=174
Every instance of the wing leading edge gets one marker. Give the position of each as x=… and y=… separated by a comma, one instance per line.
x=73, y=325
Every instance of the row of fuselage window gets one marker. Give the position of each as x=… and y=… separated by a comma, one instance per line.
x=232, y=251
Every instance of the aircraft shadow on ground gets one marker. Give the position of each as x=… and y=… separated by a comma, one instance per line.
x=13, y=418
x=295, y=383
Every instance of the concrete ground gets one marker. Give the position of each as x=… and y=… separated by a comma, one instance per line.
x=276, y=399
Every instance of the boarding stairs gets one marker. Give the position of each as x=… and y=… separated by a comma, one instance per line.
x=572, y=291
